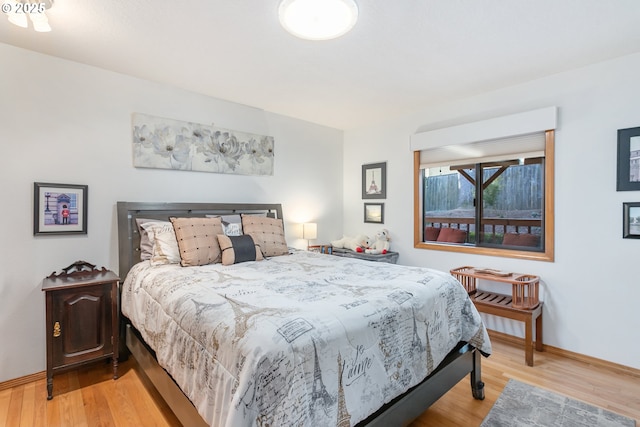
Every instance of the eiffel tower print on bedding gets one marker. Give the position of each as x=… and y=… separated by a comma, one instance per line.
x=300, y=339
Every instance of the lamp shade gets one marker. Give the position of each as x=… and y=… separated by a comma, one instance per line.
x=318, y=19
x=310, y=231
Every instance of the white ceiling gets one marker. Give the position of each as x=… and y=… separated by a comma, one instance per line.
x=402, y=55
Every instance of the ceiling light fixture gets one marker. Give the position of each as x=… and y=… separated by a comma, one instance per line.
x=318, y=19
x=17, y=11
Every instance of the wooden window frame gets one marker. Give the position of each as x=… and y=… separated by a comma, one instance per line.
x=547, y=255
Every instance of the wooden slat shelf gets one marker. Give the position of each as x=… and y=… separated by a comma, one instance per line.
x=522, y=305
x=524, y=287
x=490, y=298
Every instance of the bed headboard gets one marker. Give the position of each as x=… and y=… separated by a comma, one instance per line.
x=129, y=238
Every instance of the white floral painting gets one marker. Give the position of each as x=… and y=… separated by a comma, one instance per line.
x=173, y=144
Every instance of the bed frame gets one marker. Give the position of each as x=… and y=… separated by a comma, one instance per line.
x=464, y=359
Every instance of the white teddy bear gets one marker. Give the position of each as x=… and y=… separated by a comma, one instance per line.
x=380, y=243
x=357, y=243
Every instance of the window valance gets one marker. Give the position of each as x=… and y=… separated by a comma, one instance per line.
x=515, y=136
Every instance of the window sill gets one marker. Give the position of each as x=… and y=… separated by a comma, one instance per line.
x=505, y=253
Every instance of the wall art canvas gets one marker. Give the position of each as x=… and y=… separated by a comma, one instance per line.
x=161, y=143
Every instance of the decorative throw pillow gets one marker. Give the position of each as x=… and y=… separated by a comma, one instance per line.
x=236, y=249
x=268, y=233
x=146, y=237
x=165, y=247
x=232, y=228
x=197, y=240
x=231, y=224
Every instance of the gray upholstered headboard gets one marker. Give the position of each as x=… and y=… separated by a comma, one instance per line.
x=129, y=238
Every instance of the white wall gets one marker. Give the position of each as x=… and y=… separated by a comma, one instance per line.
x=64, y=122
x=592, y=290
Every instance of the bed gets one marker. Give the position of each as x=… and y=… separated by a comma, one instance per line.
x=296, y=339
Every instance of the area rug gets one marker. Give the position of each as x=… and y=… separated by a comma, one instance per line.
x=524, y=405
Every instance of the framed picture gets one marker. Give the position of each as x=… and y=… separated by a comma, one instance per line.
x=631, y=220
x=374, y=181
x=59, y=208
x=629, y=159
x=374, y=213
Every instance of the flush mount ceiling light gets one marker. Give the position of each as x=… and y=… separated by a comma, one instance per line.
x=18, y=10
x=318, y=19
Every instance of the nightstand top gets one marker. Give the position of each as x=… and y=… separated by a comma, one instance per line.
x=78, y=274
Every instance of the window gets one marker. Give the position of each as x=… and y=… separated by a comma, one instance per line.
x=498, y=201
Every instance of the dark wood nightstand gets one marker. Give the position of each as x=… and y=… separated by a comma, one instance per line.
x=81, y=318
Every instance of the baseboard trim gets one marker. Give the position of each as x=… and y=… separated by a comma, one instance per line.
x=616, y=367
x=16, y=382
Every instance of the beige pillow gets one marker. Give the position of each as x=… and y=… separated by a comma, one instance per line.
x=197, y=240
x=236, y=249
x=165, y=247
x=268, y=233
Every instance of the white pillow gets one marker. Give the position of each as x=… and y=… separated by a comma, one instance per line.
x=164, y=244
x=146, y=236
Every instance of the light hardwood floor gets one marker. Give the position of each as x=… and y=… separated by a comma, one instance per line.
x=90, y=397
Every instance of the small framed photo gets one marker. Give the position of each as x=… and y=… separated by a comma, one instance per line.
x=59, y=208
x=631, y=220
x=629, y=159
x=374, y=213
x=374, y=181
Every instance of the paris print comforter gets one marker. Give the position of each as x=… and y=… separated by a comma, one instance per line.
x=301, y=339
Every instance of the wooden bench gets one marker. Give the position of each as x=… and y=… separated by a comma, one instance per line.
x=522, y=305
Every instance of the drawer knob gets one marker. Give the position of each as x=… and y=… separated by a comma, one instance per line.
x=56, y=329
